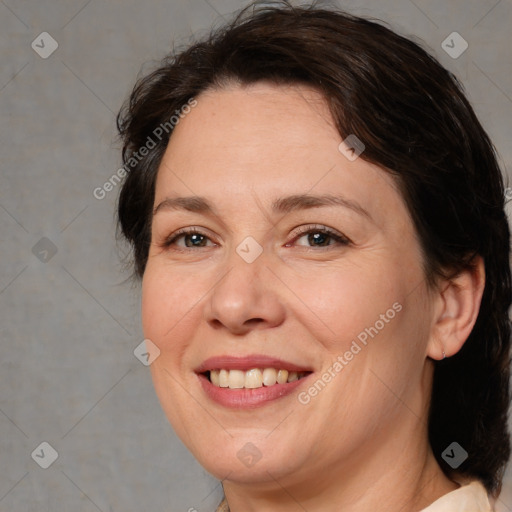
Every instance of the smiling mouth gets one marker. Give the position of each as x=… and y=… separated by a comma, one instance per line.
x=252, y=379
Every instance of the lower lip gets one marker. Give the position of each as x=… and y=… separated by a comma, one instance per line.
x=248, y=398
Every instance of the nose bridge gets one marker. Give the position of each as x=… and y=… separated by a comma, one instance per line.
x=245, y=293
x=245, y=267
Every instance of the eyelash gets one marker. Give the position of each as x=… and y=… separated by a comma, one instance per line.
x=304, y=230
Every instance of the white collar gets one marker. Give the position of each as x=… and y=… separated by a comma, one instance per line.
x=471, y=497
x=467, y=498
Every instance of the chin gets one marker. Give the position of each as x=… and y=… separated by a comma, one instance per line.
x=245, y=461
x=253, y=473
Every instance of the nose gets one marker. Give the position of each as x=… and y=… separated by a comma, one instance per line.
x=247, y=297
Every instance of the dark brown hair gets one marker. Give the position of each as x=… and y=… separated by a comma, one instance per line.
x=416, y=123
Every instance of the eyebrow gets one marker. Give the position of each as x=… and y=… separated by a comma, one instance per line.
x=283, y=205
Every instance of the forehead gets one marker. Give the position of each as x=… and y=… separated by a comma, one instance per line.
x=264, y=140
x=253, y=125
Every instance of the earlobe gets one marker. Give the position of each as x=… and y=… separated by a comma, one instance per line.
x=459, y=301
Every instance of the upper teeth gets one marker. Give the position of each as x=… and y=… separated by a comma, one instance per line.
x=254, y=378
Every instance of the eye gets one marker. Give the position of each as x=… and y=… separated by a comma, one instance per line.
x=191, y=237
x=319, y=236
x=312, y=236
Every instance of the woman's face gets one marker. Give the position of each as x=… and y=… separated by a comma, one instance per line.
x=302, y=260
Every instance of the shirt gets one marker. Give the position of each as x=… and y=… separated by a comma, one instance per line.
x=468, y=498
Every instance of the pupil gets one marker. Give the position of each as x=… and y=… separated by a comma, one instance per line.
x=195, y=238
x=319, y=237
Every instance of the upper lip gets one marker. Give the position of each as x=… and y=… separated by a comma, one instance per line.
x=225, y=362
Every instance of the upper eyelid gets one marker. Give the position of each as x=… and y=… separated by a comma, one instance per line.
x=189, y=230
x=334, y=233
x=304, y=229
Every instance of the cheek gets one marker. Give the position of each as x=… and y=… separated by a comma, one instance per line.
x=168, y=300
x=169, y=319
x=340, y=302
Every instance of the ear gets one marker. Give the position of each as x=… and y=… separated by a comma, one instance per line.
x=457, y=305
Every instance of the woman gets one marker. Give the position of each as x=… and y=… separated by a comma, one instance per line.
x=318, y=220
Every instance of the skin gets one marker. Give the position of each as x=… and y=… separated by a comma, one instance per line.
x=361, y=443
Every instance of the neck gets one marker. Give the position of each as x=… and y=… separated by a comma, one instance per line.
x=388, y=474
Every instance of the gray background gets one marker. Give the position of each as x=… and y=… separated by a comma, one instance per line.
x=69, y=321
